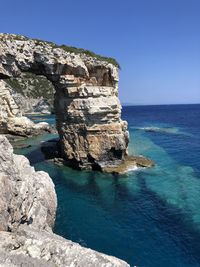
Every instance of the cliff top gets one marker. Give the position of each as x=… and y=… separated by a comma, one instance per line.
x=70, y=49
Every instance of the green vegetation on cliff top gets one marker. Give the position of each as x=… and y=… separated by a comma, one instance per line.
x=32, y=86
x=70, y=49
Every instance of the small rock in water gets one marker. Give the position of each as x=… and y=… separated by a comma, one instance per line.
x=129, y=163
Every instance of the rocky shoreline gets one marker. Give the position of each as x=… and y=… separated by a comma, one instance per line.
x=27, y=213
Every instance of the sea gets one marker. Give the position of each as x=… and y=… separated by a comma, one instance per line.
x=147, y=217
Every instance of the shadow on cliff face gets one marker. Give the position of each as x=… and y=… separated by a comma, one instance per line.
x=31, y=147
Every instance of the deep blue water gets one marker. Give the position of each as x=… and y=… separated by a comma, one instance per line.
x=148, y=217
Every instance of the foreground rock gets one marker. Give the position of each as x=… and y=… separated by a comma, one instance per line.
x=39, y=248
x=27, y=197
x=87, y=106
x=27, y=213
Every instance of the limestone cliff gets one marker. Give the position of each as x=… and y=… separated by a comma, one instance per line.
x=87, y=107
x=27, y=213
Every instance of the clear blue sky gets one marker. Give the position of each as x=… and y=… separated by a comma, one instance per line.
x=157, y=42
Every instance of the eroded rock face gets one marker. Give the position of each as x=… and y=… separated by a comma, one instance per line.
x=87, y=107
x=27, y=213
x=27, y=197
x=8, y=107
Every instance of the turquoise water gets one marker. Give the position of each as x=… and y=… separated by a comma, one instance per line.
x=148, y=217
x=40, y=118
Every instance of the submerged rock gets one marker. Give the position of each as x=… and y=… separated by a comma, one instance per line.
x=130, y=163
x=27, y=213
x=20, y=146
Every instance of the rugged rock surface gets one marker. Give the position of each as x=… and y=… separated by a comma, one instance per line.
x=8, y=107
x=31, y=248
x=86, y=101
x=27, y=213
x=27, y=197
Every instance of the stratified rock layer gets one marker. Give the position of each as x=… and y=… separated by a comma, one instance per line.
x=87, y=107
x=27, y=213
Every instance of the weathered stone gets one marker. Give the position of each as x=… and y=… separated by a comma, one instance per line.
x=39, y=248
x=86, y=98
x=27, y=196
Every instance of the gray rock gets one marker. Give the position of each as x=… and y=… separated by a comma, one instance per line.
x=27, y=197
x=39, y=248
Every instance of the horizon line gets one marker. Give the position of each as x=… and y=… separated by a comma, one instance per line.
x=173, y=104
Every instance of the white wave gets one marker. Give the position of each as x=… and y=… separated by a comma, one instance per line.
x=134, y=168
x=165, y=130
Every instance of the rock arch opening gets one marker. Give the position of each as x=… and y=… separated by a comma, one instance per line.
x=32, y=93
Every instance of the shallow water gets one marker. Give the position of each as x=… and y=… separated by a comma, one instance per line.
x=148, y=217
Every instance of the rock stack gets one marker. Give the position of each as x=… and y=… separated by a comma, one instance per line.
x=88, y=111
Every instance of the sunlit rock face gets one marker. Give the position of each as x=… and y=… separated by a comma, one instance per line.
x=87, y=107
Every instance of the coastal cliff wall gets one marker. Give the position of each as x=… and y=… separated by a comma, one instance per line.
x=27, y=212
x=32, y=93
x=87, y=107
